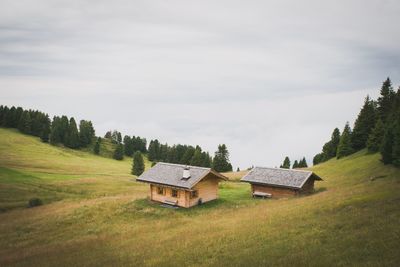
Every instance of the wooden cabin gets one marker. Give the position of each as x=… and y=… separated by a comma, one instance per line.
x=274, y=182
x=181, y=185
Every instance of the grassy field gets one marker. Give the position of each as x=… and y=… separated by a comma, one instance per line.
x=96, y=215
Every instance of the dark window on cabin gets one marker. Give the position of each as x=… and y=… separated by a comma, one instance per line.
x=194, y=194
x=174, y=193
x=160, y=190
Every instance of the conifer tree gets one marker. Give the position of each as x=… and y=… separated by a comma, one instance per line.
x=197, y=159
x=10, y=118
x=4, y=116
x=25, y=123
x=96, y=148
x=119, y=152
x=303, y=163
x=330, y=148
x=221, y=159
x=286, y=163
x=385, y=100
x=45, y=128
x=295, y=164
x=154, y=148
x=64, y=128
x=188, y=155
x=318, y=158
x=363, y=125
x=396, y=139
x=207, y=161
x=345, y=147
x=388, y=142
x=86, y=133
x=72, y=135
x=129, y=145
x=375, y=138
x=138, y=164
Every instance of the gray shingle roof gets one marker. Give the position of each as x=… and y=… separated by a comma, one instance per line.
x=172, y=174
x=279, y=177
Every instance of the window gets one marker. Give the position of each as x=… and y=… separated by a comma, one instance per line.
x=160, y=190
x=194, y=194
x=174, y=193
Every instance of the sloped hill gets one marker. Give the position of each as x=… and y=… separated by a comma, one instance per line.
x=30, y=168
x=96, y=215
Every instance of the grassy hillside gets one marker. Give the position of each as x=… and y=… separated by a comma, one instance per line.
x=96, y=215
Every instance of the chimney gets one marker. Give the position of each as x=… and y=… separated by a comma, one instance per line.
x=186, y=173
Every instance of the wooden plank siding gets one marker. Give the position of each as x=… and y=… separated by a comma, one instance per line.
x=168, y=195
x=207, y=190
x=275, y=191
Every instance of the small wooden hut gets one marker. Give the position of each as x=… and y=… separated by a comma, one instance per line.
x=274, y=182
x=181, y=185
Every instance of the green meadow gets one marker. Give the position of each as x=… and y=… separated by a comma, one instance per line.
x=95, y=214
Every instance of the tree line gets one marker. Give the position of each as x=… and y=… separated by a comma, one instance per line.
x=59, y=131
x=32, y=122
x=376, y=128
x=65, y=131
x=302, y=163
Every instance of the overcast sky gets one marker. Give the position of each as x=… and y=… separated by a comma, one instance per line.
x=267, y=78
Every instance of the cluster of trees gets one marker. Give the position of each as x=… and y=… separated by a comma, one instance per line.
x=179, y=154
x=376, y=128
x=59, y=131
x=65, y=131
x=128, y=146
x=32, y=122
x=302, y=163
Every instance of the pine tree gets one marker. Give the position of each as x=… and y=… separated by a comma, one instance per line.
x=388, y=142
x=154, y=148
x=330, y=148
x=295, y=164
x=363, y=125
x=72, y=135
x=385, y=100
x=221, y=159
x=375, y=138
x=207, y=160
x=129, y=145
x=86, y=133
x=119, y=152
x=345, y=147
x=286, y=163
x=303, y=163
x=396, y=142
x=64, y=128
x=188, y=155
x=197, y=159
x=318, y=158
x=25, y=123
x=10, y=118
x=138, y=164
x=45, y=128
x=4, y=116
x=96, y=148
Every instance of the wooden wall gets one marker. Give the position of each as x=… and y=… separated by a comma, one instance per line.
x=167, y=195
x=307, y=188
x=207, y=190
x=275, y=191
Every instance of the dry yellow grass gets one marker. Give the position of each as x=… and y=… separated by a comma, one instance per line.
x=351, y=220
x=235, y=176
